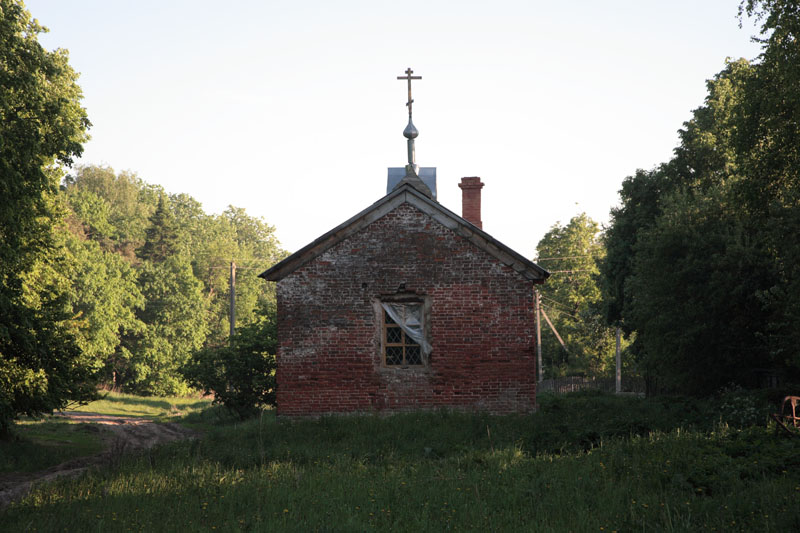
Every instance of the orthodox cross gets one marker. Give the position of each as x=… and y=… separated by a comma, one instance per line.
x=409, y=77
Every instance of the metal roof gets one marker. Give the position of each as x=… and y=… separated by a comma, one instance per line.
x=426, y=174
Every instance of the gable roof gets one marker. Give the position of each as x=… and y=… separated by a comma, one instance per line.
x=408, y=194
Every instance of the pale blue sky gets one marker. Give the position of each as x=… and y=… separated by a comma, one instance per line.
x=292, y=109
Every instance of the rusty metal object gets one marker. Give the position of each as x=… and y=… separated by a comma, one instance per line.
x=788, y=415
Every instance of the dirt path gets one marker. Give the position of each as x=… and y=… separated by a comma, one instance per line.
x=125, y=434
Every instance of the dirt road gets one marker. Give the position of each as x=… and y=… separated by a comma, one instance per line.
x=124, y=434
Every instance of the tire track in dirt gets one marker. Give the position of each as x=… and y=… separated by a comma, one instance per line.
x=124, y=435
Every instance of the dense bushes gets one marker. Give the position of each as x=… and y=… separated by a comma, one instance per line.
x=241, y=375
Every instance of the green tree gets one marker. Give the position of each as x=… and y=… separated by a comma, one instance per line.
x=704, y=159
x=174, y=327
x=121, y=213
x=768, y=152
x=161, y=238
x=241, y=374
x=251, y=244
x=699, y=263
x=104, y=299
x=114, y=209
x=42, y=126
x=695, y=283
x=572, y=298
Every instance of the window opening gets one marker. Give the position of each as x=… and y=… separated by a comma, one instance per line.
x=399, y=347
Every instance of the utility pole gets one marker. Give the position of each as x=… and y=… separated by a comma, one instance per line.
x=552, y=327
x=619, y=363
x=538, y=335
x=233, y=300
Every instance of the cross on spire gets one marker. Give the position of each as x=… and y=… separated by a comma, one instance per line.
x=409, y=77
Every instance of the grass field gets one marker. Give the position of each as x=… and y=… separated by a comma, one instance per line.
x=161, y=408
x=40, y=444
x=585, y=462
x=46, y=442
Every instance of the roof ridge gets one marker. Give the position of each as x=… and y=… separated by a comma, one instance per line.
x=407, y=193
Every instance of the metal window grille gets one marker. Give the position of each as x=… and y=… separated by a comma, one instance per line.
x=398, y=348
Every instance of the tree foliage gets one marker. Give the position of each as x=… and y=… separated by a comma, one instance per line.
x=699, y=264
x=169, y=262
x=42, y=127
x=104, y=297
x=572, y=298
x=241, y=375
x=102, y=276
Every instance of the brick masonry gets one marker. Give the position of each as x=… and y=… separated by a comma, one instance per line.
x=480, y=318
x=471, y=200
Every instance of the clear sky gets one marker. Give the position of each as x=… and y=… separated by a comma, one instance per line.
x=292, y=109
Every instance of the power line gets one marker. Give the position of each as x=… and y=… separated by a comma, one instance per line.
x=557, y=310
x=566, y=306
x=564, y=257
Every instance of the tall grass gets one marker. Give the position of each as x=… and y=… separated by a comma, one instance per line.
x=39, y=444
x=583, y=463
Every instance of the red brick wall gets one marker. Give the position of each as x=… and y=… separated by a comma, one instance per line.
x=329, y=325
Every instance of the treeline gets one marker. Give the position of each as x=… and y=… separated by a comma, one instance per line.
x=700, y=264
x=703, y=254
x=149, y=276
x=105, y=279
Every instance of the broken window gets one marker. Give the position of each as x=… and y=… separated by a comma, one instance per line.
x=404, y=342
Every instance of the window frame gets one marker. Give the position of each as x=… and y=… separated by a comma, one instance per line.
x=405, y=341
x=381, y=315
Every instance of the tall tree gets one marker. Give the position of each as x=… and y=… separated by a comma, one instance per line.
x=768, y=152
x=704, y=159
x=104, y=298
x=115, y=208
x=42, y=126
x=572, y=298
x=174, y=315
x=161, y=238
x=699, y=263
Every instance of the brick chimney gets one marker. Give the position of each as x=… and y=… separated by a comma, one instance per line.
x=471, y=200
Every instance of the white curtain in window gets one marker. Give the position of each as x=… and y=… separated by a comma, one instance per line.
x=409, y=318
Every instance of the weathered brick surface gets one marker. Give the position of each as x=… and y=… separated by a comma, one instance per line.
x=329, y=329
x=471, y=200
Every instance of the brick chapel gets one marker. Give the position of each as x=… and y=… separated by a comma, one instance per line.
x=407, y=306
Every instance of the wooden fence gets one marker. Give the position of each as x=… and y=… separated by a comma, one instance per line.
x=630, y=385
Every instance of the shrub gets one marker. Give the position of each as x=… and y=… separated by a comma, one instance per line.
x=739, y=407
x=242, y=375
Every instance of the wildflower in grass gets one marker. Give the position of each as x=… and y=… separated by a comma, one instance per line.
x=286, y=510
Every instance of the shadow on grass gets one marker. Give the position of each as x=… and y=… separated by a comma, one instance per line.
x=143, y=407
x=155, y=403
x=36, y=445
